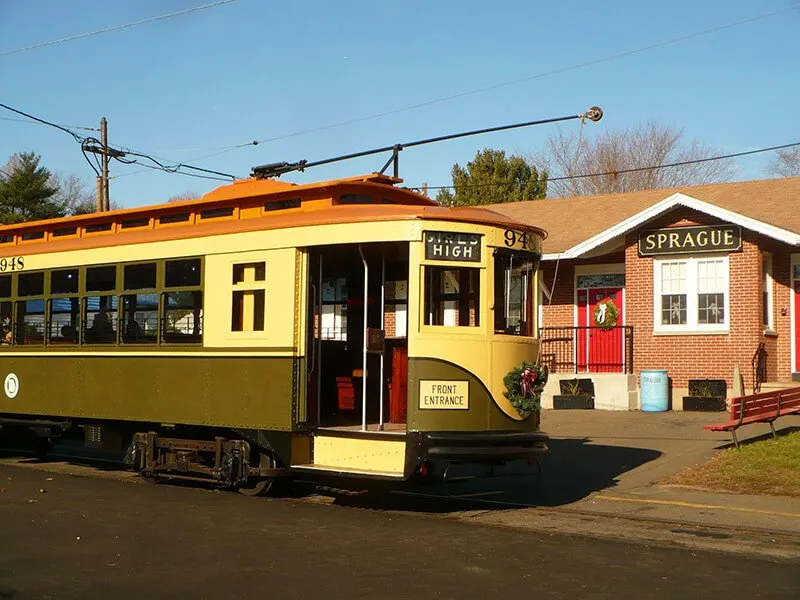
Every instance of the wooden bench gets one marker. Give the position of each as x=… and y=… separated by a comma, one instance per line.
x=760, y=408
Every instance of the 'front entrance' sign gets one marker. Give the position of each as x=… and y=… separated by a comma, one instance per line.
x=451, y=395
x=686, y=240
x=447, y=245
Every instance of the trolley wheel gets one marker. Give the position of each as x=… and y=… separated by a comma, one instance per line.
x=261, y=486
x=257, y=487
x=42, y=447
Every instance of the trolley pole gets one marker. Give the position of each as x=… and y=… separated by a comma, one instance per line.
x=104, y=142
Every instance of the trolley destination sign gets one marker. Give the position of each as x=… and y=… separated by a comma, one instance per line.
x=684, y=240
x=448, y=245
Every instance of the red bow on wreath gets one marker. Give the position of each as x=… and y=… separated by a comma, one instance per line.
x=528, y=378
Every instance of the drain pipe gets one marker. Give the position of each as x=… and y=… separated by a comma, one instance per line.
x=364, y=359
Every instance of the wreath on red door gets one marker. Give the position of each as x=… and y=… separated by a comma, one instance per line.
x=606, y=314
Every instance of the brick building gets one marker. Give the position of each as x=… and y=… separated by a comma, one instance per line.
x=704, y=283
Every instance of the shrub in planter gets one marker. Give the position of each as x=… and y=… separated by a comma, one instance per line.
x=706, y=395
x=575, y=393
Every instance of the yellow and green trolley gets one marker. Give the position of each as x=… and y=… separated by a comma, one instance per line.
x=344, y=328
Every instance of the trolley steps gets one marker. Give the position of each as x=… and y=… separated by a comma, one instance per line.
x=367, y=454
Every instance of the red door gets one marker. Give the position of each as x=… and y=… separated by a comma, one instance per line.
x=599, y=351
x=797, y=326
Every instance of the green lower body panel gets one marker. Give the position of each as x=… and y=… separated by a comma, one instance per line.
x=227, y=391
x=481, y=413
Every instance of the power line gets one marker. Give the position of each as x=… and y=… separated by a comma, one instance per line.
x=95, y=146
x=623, y=171
x=116, y=27
x=34, y=123
x=78, y=138
x=683, y=38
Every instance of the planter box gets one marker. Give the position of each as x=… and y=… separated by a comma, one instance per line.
x=704, y=403
x=708, y=388
x=573, y=402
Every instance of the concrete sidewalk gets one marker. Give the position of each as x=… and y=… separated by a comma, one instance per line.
x=610, y=464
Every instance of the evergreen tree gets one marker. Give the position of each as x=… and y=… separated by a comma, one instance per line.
x=493, y=178
x=28, y=193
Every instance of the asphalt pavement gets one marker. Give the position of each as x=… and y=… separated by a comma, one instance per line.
x=63, y=536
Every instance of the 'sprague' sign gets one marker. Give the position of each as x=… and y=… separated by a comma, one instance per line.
x=684, y=240
x=443, y=245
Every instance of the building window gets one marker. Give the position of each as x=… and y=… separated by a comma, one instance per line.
x=691, y=294
x=513, y=294
x=766, y=292
x=673, y=293
x=711, y=287
x=333, y=320
x=451, y=296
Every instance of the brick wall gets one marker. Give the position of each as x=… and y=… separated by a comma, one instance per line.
x=696, y=356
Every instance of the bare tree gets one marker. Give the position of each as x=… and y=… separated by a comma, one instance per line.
x=786, y=163
x=72, y=192
x=613, y=152
x=185, y=195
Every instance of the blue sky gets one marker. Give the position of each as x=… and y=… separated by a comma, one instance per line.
x=185, y=87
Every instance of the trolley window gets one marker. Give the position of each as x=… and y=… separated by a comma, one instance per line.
x=249, y=297
x=101, y=319
x=6, y=309
x=183, y=317
x=182, y=273
x=29, y=325
x=101, y=279
x=5, y=286
x=139, y=276
x=31, y=284
x=452, y=296
x=513, y=294
x=64, y=282
x=140, y=318
x=64, y=321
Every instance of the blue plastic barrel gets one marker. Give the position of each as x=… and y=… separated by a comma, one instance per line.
x=655, y=387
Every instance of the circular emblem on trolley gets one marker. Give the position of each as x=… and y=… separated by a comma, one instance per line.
x=11, y=386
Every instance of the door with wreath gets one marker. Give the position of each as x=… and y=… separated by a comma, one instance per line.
x=600, y=344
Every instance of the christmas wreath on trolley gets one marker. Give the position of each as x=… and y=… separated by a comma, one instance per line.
x=524, y=385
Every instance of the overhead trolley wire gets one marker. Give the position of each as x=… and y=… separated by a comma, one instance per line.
x=573, y=67
x=623, y=171
x=115, y=27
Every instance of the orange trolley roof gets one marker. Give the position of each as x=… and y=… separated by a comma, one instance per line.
x=246, y=205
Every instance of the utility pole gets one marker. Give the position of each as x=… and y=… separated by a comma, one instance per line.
x=99, y=202
x=104, y=141
x=90, y=145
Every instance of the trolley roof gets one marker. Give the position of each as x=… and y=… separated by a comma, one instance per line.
x=246, y=205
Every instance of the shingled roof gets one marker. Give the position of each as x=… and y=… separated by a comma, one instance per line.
x=771, y=206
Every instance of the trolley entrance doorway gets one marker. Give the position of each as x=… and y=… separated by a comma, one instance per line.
x=357, y=348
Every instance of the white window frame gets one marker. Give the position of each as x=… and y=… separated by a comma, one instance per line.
x=692, y=327
x=768, y=281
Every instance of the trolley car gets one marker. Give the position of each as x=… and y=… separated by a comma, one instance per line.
x=349, y=328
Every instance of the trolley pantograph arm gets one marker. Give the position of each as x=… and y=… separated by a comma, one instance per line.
x=279, y=168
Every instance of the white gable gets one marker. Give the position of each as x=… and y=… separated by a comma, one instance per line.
x=675, y=200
